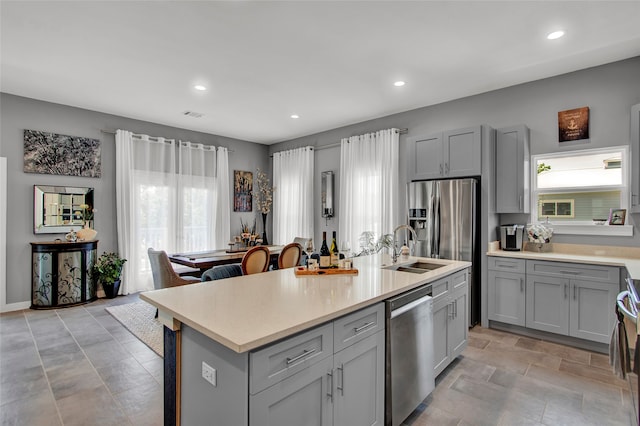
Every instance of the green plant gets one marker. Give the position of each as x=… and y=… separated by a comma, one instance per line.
x=108, y=268
x=543, y=167
x=369, y=244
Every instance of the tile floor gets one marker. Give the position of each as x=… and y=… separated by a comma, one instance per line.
x=79, y=366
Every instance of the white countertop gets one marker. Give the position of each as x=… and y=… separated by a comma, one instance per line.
x=244, y=313
x=627, y=257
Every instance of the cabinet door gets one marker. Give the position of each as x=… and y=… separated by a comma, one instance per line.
x=506, y=297
x=547, y=306
x=635, y=158
x=591, y=307
x=512, y=170
x=458, y=324
x=425, y=158
x=359, y=383
x=303, y=399
x=463, y=152
x=441, y=347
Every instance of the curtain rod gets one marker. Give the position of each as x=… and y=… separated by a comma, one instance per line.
x=333, y=145
x=113, y=132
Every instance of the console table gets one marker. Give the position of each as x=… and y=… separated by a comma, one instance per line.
x=61, y=273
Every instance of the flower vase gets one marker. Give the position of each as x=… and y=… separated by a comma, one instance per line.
x=264, y=229
x=86, y=233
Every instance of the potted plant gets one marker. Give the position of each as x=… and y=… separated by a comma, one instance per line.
x=107, y=271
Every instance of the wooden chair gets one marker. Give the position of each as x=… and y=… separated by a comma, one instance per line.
x=256, y=260
x=222, y=271
x=163, y=274
x=290, y=256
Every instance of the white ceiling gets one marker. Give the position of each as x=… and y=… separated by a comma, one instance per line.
x=332, y=63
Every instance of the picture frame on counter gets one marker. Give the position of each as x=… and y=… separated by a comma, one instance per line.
x=617, y=216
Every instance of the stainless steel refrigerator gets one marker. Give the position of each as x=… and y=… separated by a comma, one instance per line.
x=444, y=214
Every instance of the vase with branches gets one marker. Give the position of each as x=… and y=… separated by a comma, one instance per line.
x=264, y=200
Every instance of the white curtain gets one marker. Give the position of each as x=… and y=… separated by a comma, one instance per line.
x=293, y=194
x=168, y=198
x=368, y=185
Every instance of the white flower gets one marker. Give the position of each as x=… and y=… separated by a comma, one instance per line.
x=538, y=233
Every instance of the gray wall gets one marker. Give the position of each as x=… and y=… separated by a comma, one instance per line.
x=609, y=90
x=18, y=113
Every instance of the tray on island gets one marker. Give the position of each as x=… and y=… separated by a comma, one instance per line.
x=301, y=270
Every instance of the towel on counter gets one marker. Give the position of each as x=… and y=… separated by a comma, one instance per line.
x=619, y=356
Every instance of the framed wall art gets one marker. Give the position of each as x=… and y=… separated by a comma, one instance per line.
x=617, y=216
x=242, y=191
x=573, y=125
x=54, y=154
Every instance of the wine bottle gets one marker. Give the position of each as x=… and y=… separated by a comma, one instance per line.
x=333, y=250
x=325, y=255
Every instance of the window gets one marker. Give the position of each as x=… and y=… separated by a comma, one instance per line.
x=573, y=190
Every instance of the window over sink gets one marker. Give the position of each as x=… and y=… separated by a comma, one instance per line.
x=575, y=191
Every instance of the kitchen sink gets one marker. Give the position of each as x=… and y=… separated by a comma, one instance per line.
x=415, y=268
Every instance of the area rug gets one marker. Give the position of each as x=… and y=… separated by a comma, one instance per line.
x=139, y=319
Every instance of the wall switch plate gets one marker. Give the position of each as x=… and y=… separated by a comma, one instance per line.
x=209, y=373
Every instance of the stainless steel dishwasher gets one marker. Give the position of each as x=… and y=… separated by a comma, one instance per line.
x=409, y=353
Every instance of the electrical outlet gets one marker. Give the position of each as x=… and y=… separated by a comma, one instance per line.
x=209, y=373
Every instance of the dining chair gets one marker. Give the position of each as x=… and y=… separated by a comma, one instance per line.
x=290, y=256
x=222, y=271
x=255, y=260
x=163, y=274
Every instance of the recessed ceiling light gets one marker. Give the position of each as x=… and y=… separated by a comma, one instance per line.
x=556, y=34
x=399, y=83
x=199, y=87
x=295, y=116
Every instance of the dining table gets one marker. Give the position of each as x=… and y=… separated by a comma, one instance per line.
x=204, y=260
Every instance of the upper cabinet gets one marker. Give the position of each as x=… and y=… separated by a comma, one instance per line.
x=635, y=158
x=449, y=154
x=512, y=169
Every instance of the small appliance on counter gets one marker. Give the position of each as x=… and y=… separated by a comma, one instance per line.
x=511, y=237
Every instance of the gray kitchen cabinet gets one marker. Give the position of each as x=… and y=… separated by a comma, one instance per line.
x=635, y=159
x=506, y=294
x=506, y=290
x=455, y=153
x=296, y=382
x=591, y=310
x=572, y=299
x=358, y=376
x=301, y=399
x=512, y=166
x=547, y=304
x=450, y=321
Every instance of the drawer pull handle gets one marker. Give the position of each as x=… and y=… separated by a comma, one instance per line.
x=330, y=386
x=340, y=385
x=302, y=355
x=363, y=327
x=570, y=272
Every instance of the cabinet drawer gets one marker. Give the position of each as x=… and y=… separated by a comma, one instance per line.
x=439, y=289
x=458, y=280
x=506, y=264
x=276, y=362
x=610, y=274
x=358, y=325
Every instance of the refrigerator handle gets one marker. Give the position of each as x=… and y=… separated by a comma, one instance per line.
x=435, y=238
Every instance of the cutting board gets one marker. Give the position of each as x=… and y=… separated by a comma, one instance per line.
x=301, y=270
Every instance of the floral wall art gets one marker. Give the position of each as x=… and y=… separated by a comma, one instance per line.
x=242, y=191
x=54, y=154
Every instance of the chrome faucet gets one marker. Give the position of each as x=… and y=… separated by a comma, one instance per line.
x=398, y=228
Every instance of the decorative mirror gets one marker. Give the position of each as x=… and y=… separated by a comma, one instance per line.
x=56, y=209
x=326, y=192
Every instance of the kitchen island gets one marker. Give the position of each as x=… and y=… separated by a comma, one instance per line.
x=230, y=325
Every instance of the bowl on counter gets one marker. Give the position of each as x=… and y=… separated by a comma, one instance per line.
x=599, y=221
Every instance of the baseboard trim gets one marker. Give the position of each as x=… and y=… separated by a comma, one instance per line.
x=551, y=337
x=12, y=307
